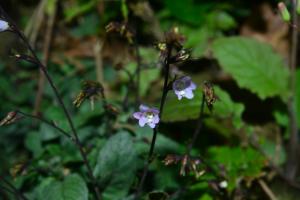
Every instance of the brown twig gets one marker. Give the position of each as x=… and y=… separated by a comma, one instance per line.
x=267, y=190
x=99, y=62
x=292, y=162
x=46, y=53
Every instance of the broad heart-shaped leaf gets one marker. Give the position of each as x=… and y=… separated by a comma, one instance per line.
x=116, y=166
x=238, y=162
x=180, y=110
x=72, y=187
x=254, y=66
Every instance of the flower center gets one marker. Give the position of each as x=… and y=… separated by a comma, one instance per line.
x=182, y=92
x=149, y=116
x=181, y=85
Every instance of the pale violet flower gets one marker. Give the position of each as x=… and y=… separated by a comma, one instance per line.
x=183, y=87
x=3, y=25
x=149, y=116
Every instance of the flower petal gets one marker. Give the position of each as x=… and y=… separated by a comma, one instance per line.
x=189, y=94
x=142, y=122
x=193, y=86
x=3, y=25
x=156, y=119
x=137, y=115
x=152, y=125
x=143, y=108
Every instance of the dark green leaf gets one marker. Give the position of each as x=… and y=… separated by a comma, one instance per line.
x=254, y=65
x=116, y=165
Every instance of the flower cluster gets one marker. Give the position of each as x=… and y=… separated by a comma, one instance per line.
x=149, y=116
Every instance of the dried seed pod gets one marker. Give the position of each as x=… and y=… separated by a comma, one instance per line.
x=210, y=96
x=90, y=89
x=122, y=28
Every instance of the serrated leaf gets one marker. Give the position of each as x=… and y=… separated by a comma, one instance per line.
x=72, y=188
x=116, y=165
x=180, y=110
x=254, y=66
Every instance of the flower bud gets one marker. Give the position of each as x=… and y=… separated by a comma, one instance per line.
x=3, y=26
x=10, y=118
x=285, y=14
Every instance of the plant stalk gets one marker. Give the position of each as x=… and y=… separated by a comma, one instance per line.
x=292, y=162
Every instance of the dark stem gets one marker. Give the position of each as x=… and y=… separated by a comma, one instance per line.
x=60, y=101
x=137, y=71
x=12, y=189
x=292, y=162
x=130, y=86
x=48, y=123
x=155, y=130
x=198, y=128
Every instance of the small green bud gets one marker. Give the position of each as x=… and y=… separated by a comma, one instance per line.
x=285, y=14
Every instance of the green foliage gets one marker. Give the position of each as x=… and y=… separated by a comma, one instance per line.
x=116, y=165
x=33, y=142
x=78, y=9
x=253, y=65
x=180, y=110
x=73, y=187
x=187, y=11
x=148, y=75
x=239, y=162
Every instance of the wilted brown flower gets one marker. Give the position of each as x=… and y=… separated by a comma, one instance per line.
x=112, y=109
x=188, y=164
x=210, y=96
x=90, y=89
x=174, y=38
x=10, y=118
x=181, y=56
x=122, y=28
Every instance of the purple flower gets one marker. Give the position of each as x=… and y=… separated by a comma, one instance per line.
x=147, y=116
x=3, y=25
x=183, y=87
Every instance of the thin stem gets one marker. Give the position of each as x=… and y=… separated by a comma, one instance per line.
x=48, y=123
x=199, y=126
x=155, y=130
x=60, y=101
x=137, y=71
x=162, y=101
x=292, y=162
x=15, y=191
